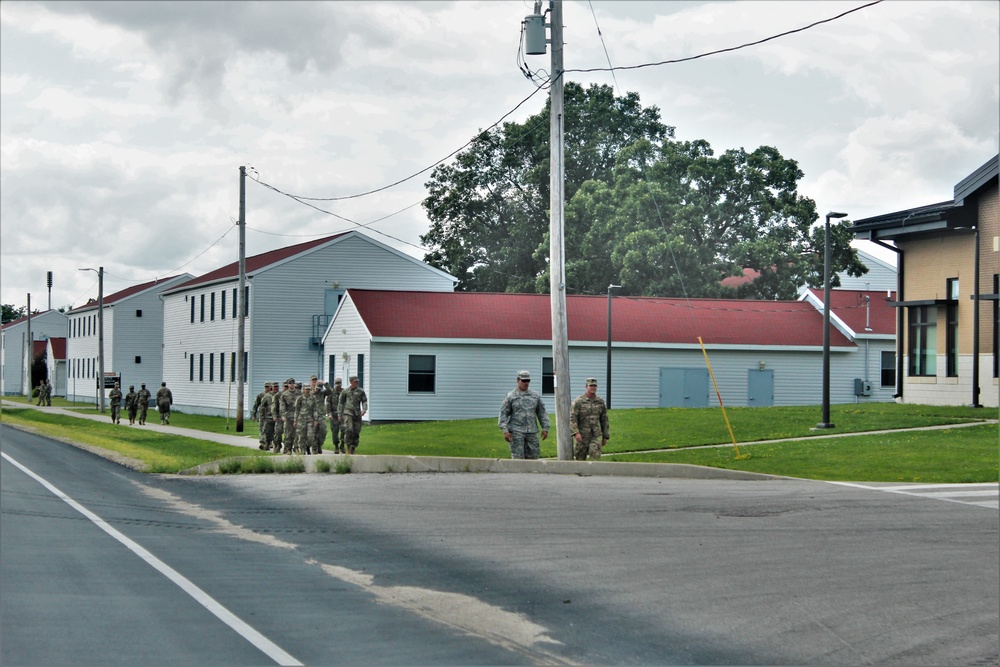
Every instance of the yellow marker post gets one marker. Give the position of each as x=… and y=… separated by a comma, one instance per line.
x=721, y=405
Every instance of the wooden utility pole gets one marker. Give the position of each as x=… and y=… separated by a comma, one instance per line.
x=29, y=355
x=242, y=301
x=557, y=249
x=100, y=338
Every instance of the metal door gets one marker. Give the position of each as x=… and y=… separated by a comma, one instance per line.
x=760, y=388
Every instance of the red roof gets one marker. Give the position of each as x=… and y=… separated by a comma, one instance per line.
x=477, y=315
x=748, y=276
x=256, y=263
x=39, y=347
x=123, y=294
x=58, y=347
x=850, y=307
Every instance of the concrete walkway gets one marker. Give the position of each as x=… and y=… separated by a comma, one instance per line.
x=389, y=464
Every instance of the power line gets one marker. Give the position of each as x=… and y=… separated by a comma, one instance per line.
x=728, y=49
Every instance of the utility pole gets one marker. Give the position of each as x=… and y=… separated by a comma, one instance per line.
x=29, y=355
x=557, y=249
x=100, y=337
x=241, y=300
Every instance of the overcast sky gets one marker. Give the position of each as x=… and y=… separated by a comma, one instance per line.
x=123, y=124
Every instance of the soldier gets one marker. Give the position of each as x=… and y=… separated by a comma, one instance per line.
x=41, y=393
x=48, y=393
x=336, y=431
x=164, y=399
x=116, y=404
x=286, y=413
x=320, y=392
x=253, y=413
x=521, y=413
x=276, y=413
x=142, y=399
x=131, y=404
x=351, y=407
x=588, y=422
x=307, y=415
x=265, y=418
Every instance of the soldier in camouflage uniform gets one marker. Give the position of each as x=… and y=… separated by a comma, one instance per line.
x=276, y=413
x=521, y=413
x=131, y=406
x=116, y=404
x=319, y=395
x=256, y=405
x=588, y=422
x=164, y=399
x=48, y=393
x=265, y=419
x=286, y=412
x=332, y=399
x=351, y=407
x=142, y=400
x=307, y=414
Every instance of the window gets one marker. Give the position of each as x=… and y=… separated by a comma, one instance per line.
x=548, y=376
x=201, y=367
x=234, y=303
x=222, y=357
x=361, y=370
x=211, y=311
x=138, y=313
x=232, y=364
x=192, y=309
x=202, y=319
x=211, y=365
x=138, y=359
x=222, y=309
x=246, y=302
x=246, y=365
x=951, y=330
x=888, y=368
x=922, y=341
x=191, y=370
x=421, y=374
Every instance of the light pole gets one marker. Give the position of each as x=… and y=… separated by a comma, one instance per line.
x=100, y=336
x=607, y=378
x=826, y=321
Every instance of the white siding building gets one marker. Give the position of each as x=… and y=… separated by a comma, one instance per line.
x=454, y=356
x=133, y=339
x=291, y=294
x=15, y=350
x=55, y=360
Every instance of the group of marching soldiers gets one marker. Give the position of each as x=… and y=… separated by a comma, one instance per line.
x=291, y=418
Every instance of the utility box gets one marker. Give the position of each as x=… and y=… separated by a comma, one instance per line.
x=534, y=35
x=862, y=387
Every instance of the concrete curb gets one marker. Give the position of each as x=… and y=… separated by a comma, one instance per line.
x=412, y=464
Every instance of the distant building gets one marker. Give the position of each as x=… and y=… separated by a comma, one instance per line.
x=16, y=355
x=55, y=360
x=948, y=285
x=454, y=355
x=133, y=339
x=292, y=293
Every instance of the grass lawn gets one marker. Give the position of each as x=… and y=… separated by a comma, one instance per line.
x=951, y=455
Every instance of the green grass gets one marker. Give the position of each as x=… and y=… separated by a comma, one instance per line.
x=161, y=452
x=958, y=455
x=950, y=455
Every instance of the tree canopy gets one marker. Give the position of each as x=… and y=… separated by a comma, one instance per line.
x=659, y=217
x=11, y=312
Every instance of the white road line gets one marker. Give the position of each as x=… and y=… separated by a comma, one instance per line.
x=268, y=647
x=960, y=491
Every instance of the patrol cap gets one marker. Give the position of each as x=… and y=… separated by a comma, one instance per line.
x=352, y=378
x=313, y=377
x=591, y=382
x=290, y=381
x=131, y=386
x=143, y=384
x=298, y=385
x=338, y=381
x=307, y=387
x=523, y=375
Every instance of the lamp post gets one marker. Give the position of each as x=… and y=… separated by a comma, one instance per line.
x=826, y=321
x=100, y=336
x=607, y=378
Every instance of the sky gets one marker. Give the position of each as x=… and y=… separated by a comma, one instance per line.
x=123, y=125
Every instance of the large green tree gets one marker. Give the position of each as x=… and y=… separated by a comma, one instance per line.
x=11, y=313
x=658, y=216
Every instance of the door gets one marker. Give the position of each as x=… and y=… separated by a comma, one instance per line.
x=683, y=388
x=760, y=388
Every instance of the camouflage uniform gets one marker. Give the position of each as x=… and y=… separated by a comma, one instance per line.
x=142, y=400
x=41, y=393
x=265, y=418
x=520, y=415
x=319, y=394
x=131, y=404
x=286, y=408
x=48, y=394
x=351, y=406
x=254, y=413
x=277, y=412
x=115, y=395
x=589, y=418
x=307, y=414
x=164, y=399
x=336, y=429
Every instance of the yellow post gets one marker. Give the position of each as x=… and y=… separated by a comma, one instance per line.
x=716, y=385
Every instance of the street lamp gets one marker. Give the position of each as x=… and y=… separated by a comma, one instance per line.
x=608, y=376
x=100, y=336
x=826, y=321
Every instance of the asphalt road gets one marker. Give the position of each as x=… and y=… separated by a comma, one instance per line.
x=481, y=569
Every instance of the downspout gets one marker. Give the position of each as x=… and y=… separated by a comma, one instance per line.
x=899, y=316
x=975, y=329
